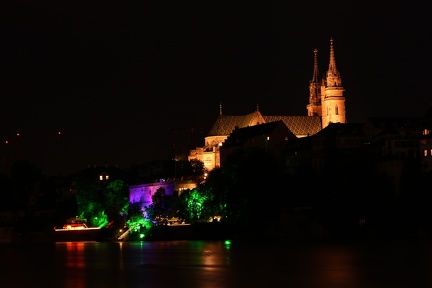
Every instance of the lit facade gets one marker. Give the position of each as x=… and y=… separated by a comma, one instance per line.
x=143, y=193
x=326, y=105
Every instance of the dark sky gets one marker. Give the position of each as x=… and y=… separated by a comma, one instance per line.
x=126, y=81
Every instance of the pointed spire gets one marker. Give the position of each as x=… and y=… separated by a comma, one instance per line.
x=220, y=108
x=314, y=84
x=315, y=70
x=257, y=107
x=333, y=77
x=332, y=65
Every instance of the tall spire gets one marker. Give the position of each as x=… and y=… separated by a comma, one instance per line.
x=333, y=77
x=220, y=108
x=314, y=95
x=315, y=70
x=333, y=100
x=332, y=65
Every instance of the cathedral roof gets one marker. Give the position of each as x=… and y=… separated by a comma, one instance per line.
x=299, y=125
x=224, y=125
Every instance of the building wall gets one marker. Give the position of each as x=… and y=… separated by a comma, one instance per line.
x=333, y=106
x=143, y=193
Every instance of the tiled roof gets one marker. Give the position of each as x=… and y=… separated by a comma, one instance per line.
x=299, y=125
x=224, y=125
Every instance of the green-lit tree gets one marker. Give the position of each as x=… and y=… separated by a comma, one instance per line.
x=215, y=192
x=101, y=203
x=193, y=205
x=90, y=202
x=137, y=223
x=116, y=202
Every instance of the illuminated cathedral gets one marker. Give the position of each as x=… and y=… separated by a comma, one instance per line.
x=326, y=105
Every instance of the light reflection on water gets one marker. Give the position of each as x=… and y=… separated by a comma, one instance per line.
x=215, y=264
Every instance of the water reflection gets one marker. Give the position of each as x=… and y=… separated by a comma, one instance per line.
x=75, y=259
x=211, y=264
x=336, y=266
x=75, y=255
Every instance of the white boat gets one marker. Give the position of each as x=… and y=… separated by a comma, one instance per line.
x=76, y=229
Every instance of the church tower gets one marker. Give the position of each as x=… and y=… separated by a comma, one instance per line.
x=332, y=99
x=314, y=107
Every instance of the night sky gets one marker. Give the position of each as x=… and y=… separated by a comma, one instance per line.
x=125, y=82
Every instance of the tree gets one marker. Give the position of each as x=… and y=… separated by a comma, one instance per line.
x=161, y=207
x=136, y=220
x=198, y=168
x=116, y=201
x=193, y=203
x=90, y=202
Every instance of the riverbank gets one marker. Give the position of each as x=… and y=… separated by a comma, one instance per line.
x=196, y=231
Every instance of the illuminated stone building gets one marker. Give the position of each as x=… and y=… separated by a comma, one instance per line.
x=326, y=105
x=143, y=193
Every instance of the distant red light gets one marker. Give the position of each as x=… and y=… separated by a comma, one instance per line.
x=18, y=134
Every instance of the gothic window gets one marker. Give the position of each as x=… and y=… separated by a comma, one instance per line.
x=336, y=111
x=425, y=152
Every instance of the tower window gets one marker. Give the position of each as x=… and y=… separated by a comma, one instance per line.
x=336, y=111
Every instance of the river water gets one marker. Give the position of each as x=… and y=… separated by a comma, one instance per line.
x=209, y=264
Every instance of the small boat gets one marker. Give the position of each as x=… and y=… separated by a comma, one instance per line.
x=76, y=229
x=75, y=223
